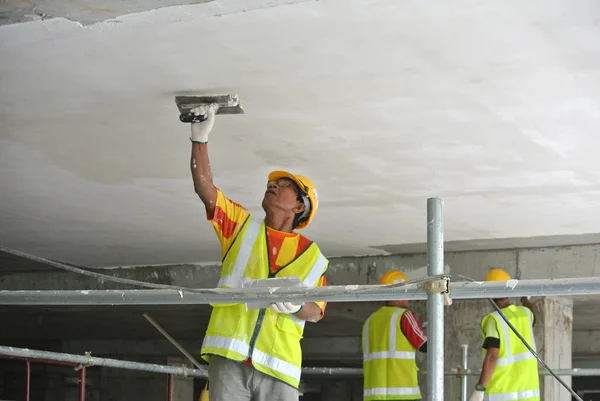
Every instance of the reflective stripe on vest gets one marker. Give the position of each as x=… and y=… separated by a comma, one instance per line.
x=390, y=371
x=386, y=391
x=276, y=364
x=316, y=272
x=388, y=355
x=258, y=356
x=517, y=395
x=234, y=279
x=271, y=339
x=228, y=343
x=311, y=280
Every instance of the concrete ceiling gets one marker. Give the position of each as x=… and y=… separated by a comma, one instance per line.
x=491, y=105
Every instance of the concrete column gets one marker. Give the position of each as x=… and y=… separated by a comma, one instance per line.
x=554, y=333
x=184, y=386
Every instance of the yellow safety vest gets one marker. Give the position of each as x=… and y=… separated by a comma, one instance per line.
x=515, y=377
x=389, y=367
x=271, y=339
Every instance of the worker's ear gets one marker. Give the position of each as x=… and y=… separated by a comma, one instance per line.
x=299, y=207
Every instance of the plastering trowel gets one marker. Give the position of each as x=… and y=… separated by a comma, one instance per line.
x=228, y=104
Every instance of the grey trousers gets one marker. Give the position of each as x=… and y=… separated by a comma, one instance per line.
x=235, y=381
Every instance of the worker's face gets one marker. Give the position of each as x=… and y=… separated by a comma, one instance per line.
x=282, y=196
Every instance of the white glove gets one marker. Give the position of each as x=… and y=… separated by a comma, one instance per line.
x=476, y=395
x=200, y=131
x=287, y=307
x=424, y=325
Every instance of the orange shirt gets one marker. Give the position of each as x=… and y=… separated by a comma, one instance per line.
x=283, y=247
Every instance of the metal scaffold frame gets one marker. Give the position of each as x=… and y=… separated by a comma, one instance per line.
x=81, y=362
x=436, y=288
x=342, y=293
x=435, y=301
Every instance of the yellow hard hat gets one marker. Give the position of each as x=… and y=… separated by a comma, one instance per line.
x=497, y=274
x=393, y=277
x=308, y=190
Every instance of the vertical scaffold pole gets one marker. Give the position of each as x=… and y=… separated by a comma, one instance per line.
x=464, y=357
x=28, y=382
x=82, y=375
x=435, y=302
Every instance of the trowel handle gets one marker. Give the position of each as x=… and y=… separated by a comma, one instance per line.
x=191, y=118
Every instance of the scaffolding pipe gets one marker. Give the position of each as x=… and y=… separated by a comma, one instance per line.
x=575, y=372
x=28, y=381
x=88, y=360
x=342, y=293
x=173, y=341
x=457, y=372
x=464, y=356
x=351, y=372
x=435, y=302
x=171, y=387
x=82, y=373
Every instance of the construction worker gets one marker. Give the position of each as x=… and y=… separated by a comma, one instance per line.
x=255, y=354
x=509, y=371
x=390, y=339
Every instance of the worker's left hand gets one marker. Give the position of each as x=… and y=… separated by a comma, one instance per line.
x=287, y=307
x=476, y=395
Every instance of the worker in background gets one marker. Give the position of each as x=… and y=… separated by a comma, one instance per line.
x=256, y=354
x=509, y=371
x=390, y=338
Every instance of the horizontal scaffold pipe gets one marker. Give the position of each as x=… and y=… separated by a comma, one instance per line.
x=358, y=372
x=88, y=360
x=345, y=293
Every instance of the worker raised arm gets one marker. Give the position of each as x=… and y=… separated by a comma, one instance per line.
x=528, y=304
x=199, y=162
x=262, y=344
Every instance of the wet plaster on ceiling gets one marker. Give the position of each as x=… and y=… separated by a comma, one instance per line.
x=492, y=106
